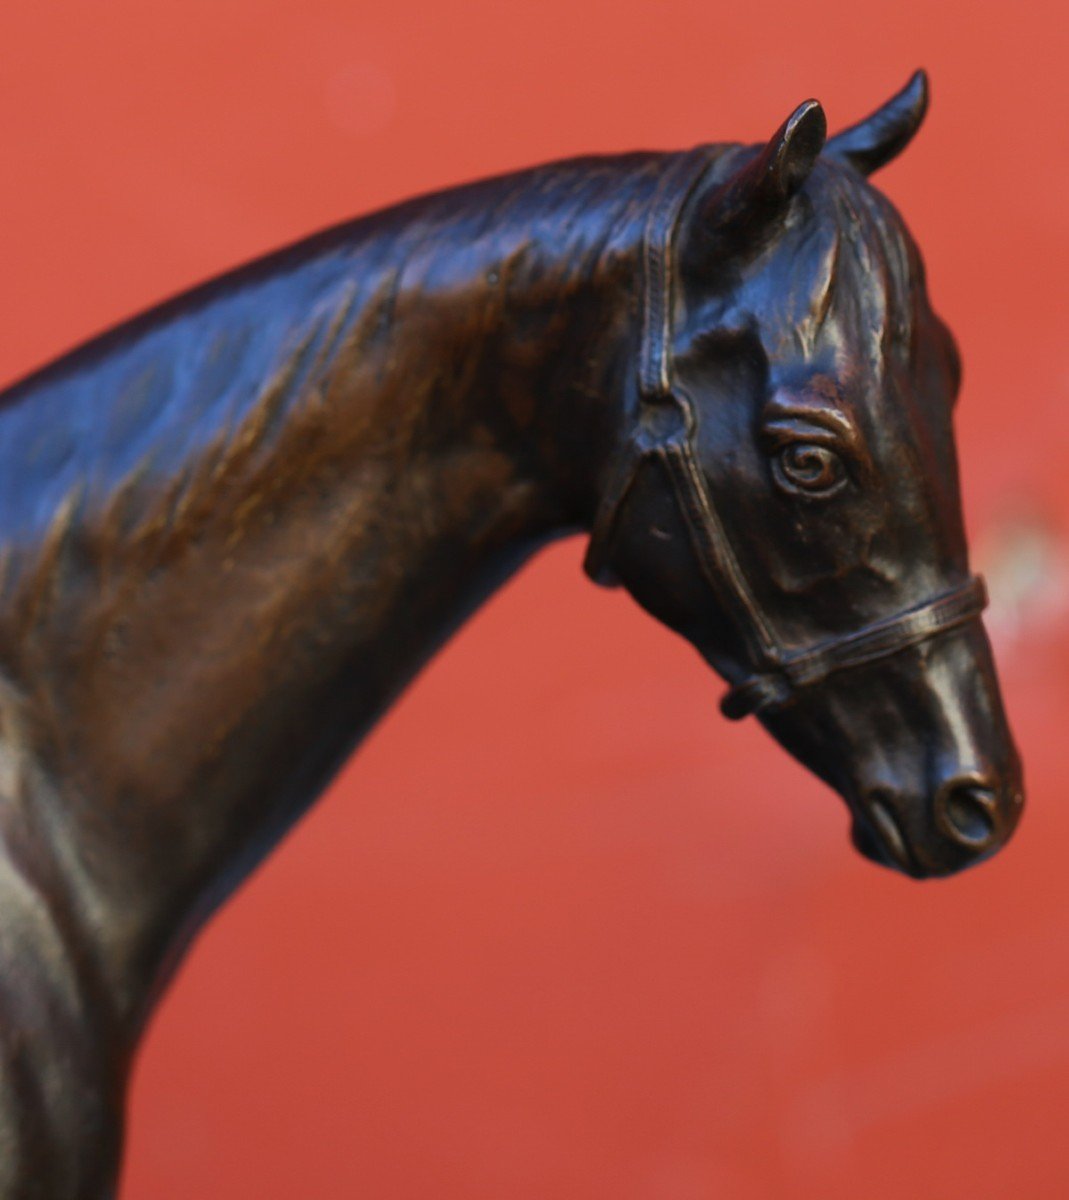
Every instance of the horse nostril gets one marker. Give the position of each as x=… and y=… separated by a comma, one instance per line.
x=967, y=810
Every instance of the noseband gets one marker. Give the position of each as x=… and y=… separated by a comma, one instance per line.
x=664, y=432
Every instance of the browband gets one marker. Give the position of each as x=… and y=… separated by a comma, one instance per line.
x=663, y=433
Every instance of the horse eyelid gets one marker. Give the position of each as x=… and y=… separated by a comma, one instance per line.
x=783, y=430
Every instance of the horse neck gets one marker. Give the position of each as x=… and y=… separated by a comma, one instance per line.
x=329, y=460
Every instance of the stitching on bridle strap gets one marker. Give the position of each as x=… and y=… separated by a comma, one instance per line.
x=776, y=673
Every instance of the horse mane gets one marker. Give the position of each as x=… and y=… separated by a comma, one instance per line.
x=189, y=394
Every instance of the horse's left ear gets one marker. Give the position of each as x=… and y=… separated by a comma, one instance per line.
x=784, y=164
x=756, y=197
x=877, y=139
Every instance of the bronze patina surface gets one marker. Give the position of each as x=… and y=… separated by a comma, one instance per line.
x=233, y=528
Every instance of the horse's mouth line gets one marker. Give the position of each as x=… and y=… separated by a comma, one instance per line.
x=882, y=836
x=891, y=836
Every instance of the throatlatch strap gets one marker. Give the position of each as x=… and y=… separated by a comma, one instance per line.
x=677, y=183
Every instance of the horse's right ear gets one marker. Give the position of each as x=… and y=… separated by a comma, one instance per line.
x=885, y=133
x=740, y=212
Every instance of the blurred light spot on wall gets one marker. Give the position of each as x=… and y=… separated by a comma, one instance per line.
x=1025, y=559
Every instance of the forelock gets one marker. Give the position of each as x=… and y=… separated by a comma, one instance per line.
x=877, y=267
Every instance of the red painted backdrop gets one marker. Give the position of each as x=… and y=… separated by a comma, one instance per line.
x=559, y=931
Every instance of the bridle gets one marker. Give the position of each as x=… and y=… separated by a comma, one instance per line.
x=664, y=431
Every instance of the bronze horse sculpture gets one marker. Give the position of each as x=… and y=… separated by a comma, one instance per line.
x=233, y=528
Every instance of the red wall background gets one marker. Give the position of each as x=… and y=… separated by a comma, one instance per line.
x=558, y=930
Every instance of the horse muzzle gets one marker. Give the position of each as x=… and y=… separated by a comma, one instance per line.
x=969, y=818
x=919, y=747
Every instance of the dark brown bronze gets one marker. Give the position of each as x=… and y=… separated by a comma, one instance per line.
x=235, y=527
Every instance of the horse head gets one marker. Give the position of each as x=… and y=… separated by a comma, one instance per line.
x=786, y=489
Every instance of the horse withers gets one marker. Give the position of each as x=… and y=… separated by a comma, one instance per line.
x=232, y=529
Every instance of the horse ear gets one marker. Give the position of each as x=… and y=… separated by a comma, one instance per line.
x=784, y=164
x=877, y=139
x=760, y=192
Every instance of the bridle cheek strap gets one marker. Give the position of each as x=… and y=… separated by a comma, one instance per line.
x=664, y=433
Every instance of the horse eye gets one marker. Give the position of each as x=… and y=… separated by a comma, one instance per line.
x=807, y=467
